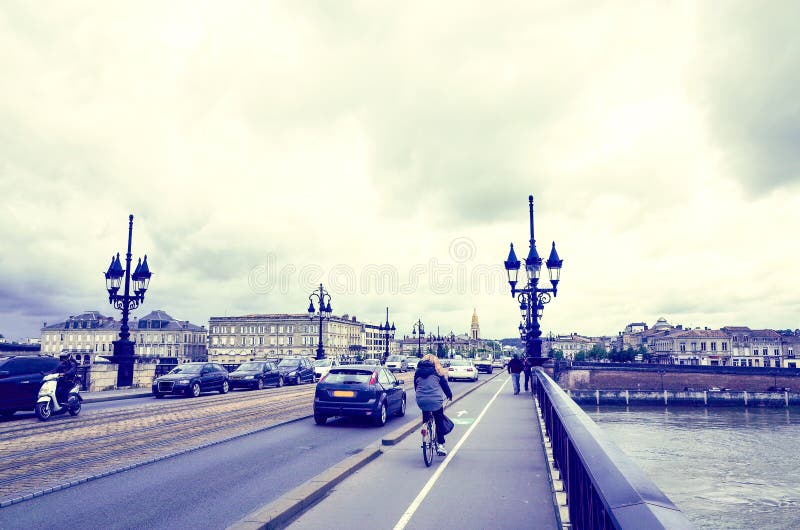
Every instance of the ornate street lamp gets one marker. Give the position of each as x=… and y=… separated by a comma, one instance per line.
x=324, y=313
x=436, y=339
x=123, y=348
x=419, y=331
x=532, y=297
x=451, y=341
x=387, y=333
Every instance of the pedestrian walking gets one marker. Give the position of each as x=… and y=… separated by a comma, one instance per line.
x=526, y=369
x=514, y=368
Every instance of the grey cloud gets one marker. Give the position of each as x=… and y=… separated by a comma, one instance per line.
x=750, y=82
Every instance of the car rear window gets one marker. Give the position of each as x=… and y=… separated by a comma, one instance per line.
x=348, y=376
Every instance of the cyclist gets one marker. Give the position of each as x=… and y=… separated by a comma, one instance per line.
x=430, y=385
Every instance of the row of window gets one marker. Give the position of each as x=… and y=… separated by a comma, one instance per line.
x=169, y=339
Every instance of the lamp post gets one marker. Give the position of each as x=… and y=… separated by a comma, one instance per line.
x=419, y=331
x=123, y=348
x=533, y=297
x=387, y=332
x=436, y=339
x=451, y=339
x=324, y=302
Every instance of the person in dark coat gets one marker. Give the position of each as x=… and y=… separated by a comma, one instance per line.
x=67, y=369
x=515, y=368
x=526, y=369
x=430, y=385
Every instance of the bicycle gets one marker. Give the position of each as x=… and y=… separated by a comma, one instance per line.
x=430, y=446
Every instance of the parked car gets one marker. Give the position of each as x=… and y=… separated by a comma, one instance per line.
x=192, y=379
x=779, y=389
x=256, y=375
x=359, y=390
x=296, y=370
x=322, y=366
x=20, y=380
x=372, y=362
x=412, y=362
x=462, y=369
x=484, y=365
x=397, y=363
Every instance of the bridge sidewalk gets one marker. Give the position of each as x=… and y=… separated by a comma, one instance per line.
x=495, y=476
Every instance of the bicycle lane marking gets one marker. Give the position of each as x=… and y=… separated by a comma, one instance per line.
x=406, y=517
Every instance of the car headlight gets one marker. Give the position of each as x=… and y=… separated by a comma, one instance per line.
x=292, y=374
x=184, y=382
x=250, y=377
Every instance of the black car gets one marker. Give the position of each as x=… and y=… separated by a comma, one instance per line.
x=20, y=380
x=256, y=375
x=359, y=390
x=191, y=379
x=296, y=370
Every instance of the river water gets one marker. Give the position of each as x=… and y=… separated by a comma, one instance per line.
x=725, y=468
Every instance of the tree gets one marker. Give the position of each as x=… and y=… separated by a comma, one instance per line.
x=556, y=354
x=597, y=353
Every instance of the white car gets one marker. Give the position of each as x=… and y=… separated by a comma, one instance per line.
x=462, y=369
x=322, y=367
x=411, y=363
x=396, y=363
x=498, y=362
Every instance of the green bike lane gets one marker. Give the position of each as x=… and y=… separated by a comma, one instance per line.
x=495, y=475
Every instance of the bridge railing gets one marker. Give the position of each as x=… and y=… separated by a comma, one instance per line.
x=604, y=488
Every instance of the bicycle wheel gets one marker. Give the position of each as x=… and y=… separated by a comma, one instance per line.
x=428, y=442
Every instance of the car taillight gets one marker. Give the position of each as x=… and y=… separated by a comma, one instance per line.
x=469, y=369
x=374, y=378
x=451, y=369
x=424, y=432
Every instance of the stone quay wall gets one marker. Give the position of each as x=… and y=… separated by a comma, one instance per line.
x=103, y=376
x=675, y=378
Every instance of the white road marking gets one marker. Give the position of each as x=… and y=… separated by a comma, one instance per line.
x=461, y=413
x=406, y=517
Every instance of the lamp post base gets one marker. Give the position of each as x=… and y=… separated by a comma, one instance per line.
x=124, y=358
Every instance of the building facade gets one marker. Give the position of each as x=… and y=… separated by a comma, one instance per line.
x=234, y=340
x=157, y=336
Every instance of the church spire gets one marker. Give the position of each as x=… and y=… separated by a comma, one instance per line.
x=475, y=328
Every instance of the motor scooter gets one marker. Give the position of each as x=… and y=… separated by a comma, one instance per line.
x=47, y=404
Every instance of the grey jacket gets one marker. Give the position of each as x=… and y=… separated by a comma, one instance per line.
x=430, y=387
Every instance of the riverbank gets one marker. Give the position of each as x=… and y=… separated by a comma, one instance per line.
x=704, y=398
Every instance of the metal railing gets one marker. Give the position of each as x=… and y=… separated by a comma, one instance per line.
x=604, y=488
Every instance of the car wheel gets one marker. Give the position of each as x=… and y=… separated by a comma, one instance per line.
x=158, y=395
x=402, y=411
x=280, y=382
x=260, y=384
x=320, y=419
x=297, y=380
x=225, y=388
x=194, y=390
x=380, y=419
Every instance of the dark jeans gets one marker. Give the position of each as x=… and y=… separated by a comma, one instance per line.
x=528, y=380
x=438, y=418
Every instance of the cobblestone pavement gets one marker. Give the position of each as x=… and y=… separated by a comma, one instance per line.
x=39, y=457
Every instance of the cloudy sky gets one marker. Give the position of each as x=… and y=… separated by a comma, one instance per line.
x=388, y=149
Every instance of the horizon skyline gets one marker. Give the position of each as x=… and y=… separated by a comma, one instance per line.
x=397, y=334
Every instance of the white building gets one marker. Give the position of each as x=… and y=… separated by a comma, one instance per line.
x=157, y=335
x=233, y=340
